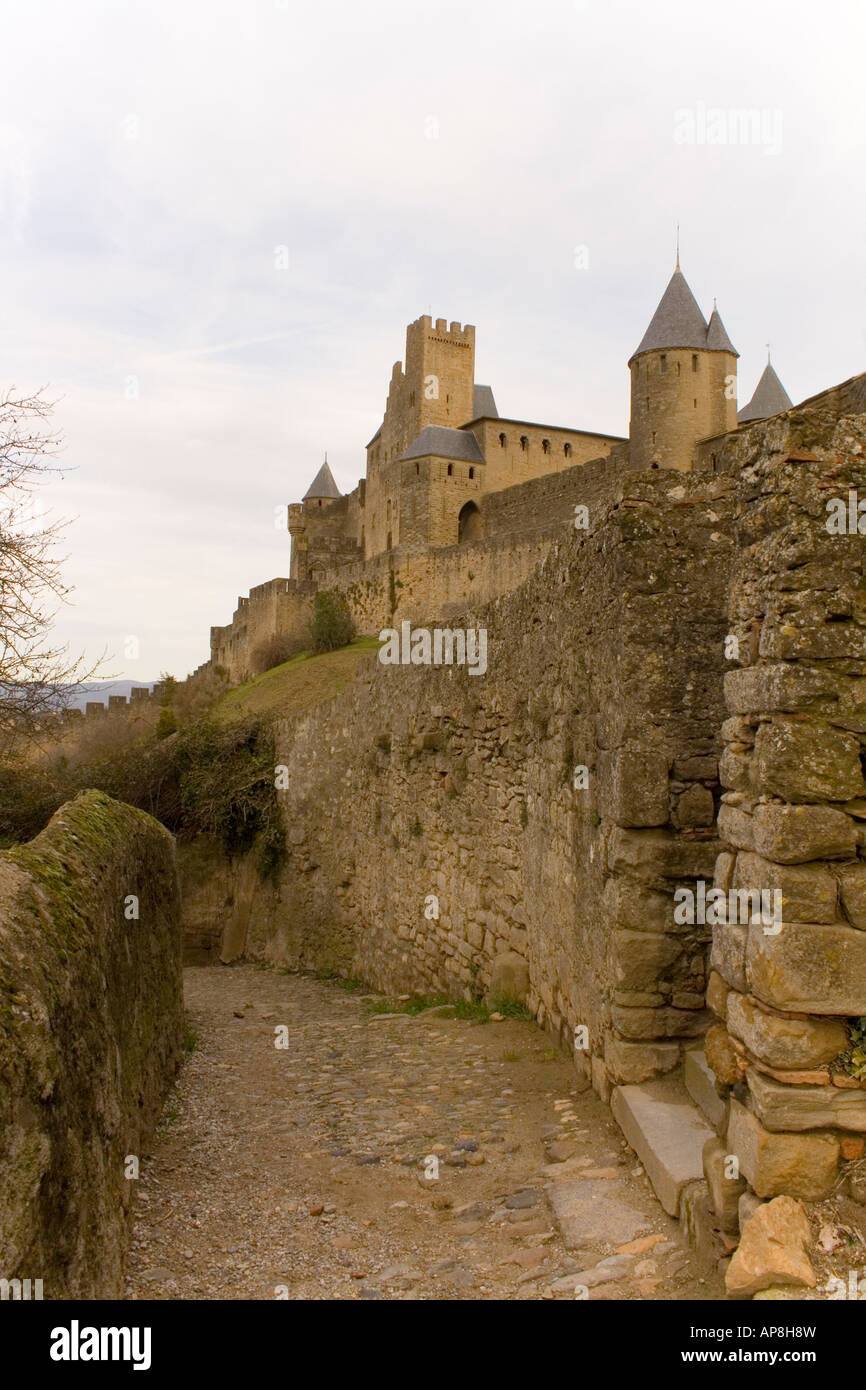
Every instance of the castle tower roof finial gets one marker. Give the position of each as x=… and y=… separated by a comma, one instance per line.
x=678, y=246
x=323, y=485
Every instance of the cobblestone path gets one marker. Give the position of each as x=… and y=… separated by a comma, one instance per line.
x=310, y=1172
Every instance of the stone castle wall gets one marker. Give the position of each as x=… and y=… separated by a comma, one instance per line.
x=90, y=1037
x=439, y=782
x=519, y=525
x=794, y=811
x=702, y=616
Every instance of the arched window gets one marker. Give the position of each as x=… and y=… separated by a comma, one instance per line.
x=664, y=361
x=566, y=449
x=450, y=469
x=545, y=446
x=524, y=443
x=694, y=361
x=472, y=472
x=502, y=440
x=417, y=468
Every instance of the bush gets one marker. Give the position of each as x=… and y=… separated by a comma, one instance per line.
x=332, y=625
x=167, y=722
x=273, y=652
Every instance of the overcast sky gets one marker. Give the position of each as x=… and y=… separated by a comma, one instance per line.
x=443, y=158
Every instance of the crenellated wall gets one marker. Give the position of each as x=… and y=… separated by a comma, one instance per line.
x=518, y=526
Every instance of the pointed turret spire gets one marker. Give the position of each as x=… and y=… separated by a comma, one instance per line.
x=677, y=322
x=323, y=484
x=717, y=337
x=770, y=397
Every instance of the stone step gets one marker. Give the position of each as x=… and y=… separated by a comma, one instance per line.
x=667, y=1132
x=701, y=1086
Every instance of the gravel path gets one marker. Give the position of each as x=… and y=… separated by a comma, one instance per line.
x=407, y=1157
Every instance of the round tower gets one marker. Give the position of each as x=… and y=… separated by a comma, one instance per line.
x=683, y=381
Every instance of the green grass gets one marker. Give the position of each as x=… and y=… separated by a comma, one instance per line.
x=473, y=1009
x=511, y=1056
x=296, y=685
x=508, y=1007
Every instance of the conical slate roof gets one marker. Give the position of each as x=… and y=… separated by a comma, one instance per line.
x=323, y=484
x=677, y=322
x=770, y=398
x=717, y=337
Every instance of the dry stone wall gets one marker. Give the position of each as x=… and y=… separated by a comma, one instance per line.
x=793, y=818
x=90, y=1036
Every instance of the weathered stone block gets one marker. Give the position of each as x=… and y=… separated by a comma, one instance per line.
x=723, y=874
x=808, y=968
x=735, y=768
x=635, y=792
x=641, y=958
x=852, y=890
x=632, y=1063
x=630, y=904
x=728, y=954
x=702, y=1087
x=772, y=1251
x=666, y=1132
x=695, y=807
x=660, y=854
x=796, y=834
x=736, y=826
x=509, y=975
x=807, y=761
x=698, y=767
x=800, y=1165
x=788, y=1043
x=765, y=689
x=640, y=1024
x=725, y=1191
x=721, y=1055
x=808, y=890
x=782, y=1107
x=717, y=994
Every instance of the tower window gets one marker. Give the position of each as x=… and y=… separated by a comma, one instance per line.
x=566, y=449
x=664, y=361
x=417, y=468
x=450, y=469
x=502, y=440
x=679, y=368
x=694, y=361
x=472, y=472
x=696, y=403
x=524, y=443
x=545, y=446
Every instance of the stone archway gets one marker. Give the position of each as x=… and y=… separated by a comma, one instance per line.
x=470, y=524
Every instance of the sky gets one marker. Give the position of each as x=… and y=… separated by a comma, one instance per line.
x=217, y=218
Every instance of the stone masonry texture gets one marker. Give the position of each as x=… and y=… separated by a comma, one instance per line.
x=90, y=1037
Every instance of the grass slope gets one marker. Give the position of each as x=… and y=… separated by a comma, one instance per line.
x=297, y=685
